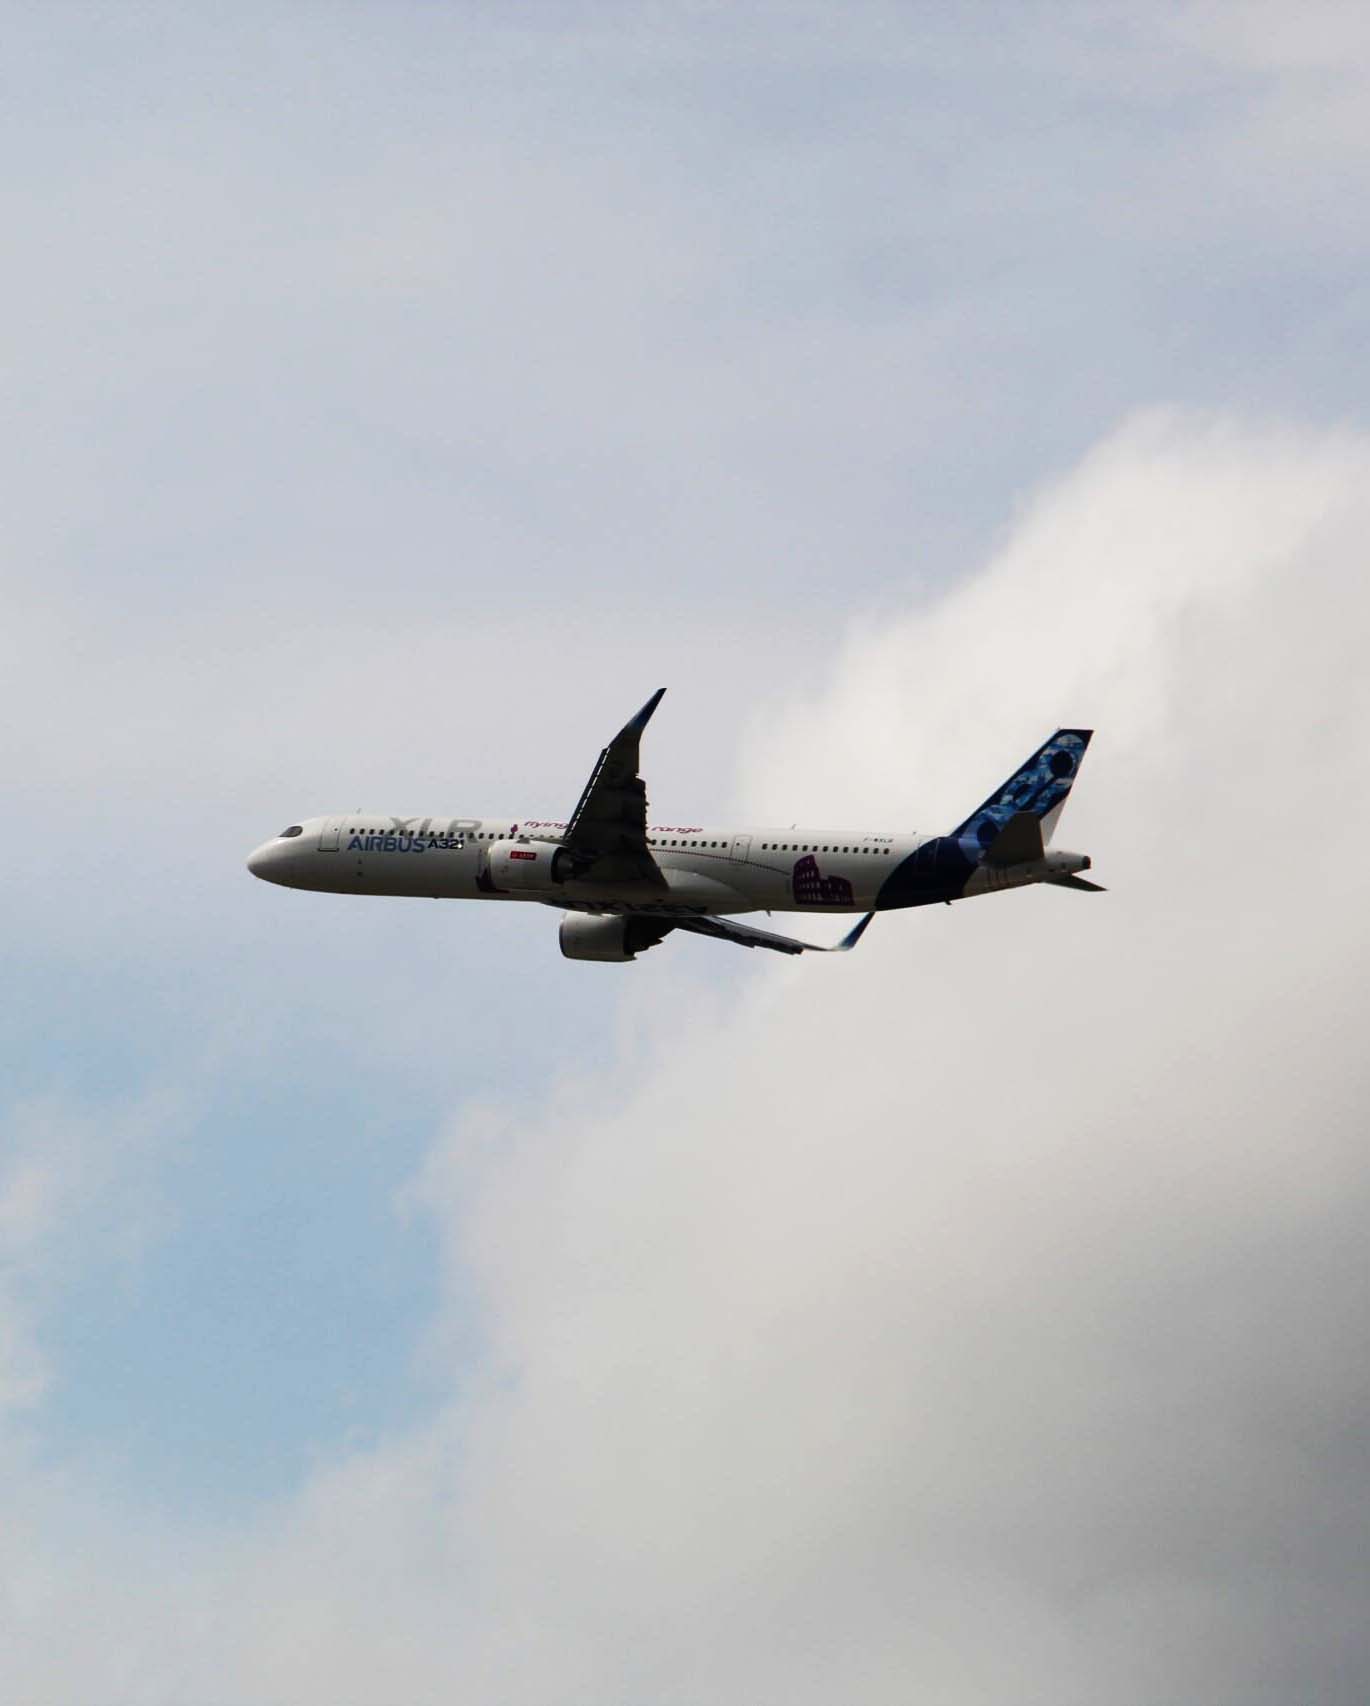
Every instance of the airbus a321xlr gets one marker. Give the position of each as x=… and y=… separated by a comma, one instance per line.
x=623, y=884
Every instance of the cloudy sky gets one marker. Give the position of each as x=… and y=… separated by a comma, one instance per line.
x=395, y=395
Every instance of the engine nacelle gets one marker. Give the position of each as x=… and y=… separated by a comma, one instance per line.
x=618, y=939
x=528, y=866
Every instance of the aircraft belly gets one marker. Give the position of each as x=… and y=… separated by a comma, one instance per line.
x=686, y=891
x=989, y=879
x=693, y=888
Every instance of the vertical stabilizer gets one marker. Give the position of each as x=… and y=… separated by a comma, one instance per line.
x=1038, y=789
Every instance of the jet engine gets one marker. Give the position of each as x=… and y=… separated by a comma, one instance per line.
x=587, y=938
x=529, y=866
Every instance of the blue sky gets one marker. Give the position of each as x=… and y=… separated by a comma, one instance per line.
x=397, y=395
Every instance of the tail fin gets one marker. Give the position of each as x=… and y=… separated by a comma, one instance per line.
x=1036, y=790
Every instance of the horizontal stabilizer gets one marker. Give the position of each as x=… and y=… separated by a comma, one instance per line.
x=747, y=936
x=1019, y=842
x=1081, y=883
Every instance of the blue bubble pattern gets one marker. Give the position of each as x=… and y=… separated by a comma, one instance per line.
x=1040, y=785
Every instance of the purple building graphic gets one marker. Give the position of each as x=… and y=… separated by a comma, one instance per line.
x=812, y=889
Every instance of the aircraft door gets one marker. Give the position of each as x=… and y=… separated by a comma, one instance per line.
x=742, y=848
x=330, y=836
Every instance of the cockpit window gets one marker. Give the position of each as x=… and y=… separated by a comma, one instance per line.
x=295, y=829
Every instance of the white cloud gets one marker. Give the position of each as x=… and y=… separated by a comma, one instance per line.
x=934, y=709
x=978, y=1315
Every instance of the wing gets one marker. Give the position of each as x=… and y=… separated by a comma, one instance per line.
x=748, y=937
x=607, y=836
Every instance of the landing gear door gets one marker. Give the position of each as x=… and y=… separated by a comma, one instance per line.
x=742, y=848
x=330, y=836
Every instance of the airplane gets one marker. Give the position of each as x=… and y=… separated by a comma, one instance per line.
x=623, y=884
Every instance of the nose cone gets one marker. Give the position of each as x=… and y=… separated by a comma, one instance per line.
x=268, y=862
x=285, y=859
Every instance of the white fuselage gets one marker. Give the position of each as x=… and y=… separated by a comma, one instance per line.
x=705, y=870
x=647, y=881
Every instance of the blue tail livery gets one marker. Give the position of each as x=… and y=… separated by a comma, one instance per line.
x=1003, y=843
x=1037, y=789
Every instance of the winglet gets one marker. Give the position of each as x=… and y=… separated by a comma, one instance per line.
x=635, y=725
x=853, y=935
x=748, y=936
